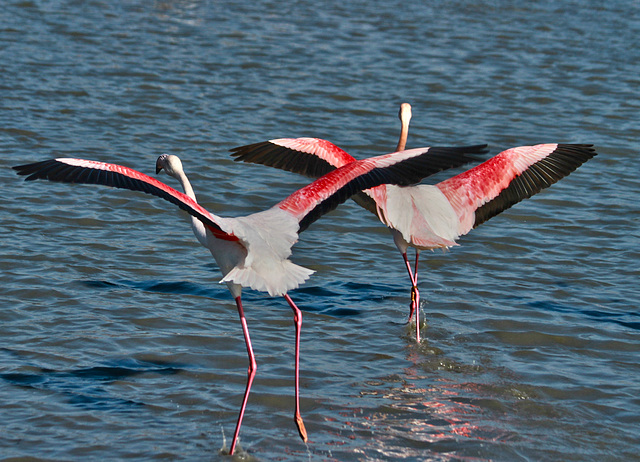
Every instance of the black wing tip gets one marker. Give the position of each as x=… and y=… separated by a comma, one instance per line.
x=20, y=169
x=572, y=156
x=35, y=169
x=476, y=149
x=25, y=168
x=587, y=150
x=246, y=146
x=472, y=153
x=241, y=150
x=473, y=149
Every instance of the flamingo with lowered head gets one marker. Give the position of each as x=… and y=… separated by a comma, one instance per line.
x=253, y=251
x=431, y=216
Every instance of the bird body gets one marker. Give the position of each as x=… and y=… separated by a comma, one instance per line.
x=418, y=216
x=268, y=238
x=253, y=251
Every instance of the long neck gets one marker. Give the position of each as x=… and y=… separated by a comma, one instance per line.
x=196, y=225
x=405, y=118
x=404, y=133
x=186, y=186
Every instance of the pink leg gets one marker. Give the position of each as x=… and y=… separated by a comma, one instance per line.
x=416, y=294
x=251, y=373
x=297, y=318
x=414, y=289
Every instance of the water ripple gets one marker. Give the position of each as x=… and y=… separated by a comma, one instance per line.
x=118, y=340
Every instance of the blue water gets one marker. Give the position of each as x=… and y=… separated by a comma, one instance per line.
x=117, y=342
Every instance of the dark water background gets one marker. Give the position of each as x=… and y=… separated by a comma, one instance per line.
x=116, y=342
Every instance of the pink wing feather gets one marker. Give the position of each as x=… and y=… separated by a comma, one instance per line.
x=323, y=149
x=69, y=170
x=515, y=174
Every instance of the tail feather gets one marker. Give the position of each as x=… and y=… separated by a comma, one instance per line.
x=274, y=280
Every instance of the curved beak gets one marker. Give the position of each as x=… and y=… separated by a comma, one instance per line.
x=158, y=166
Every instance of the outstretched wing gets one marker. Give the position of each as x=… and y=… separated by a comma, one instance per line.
x=513, y=175
x=312, y=157
x=68, y=170
x=400, y=168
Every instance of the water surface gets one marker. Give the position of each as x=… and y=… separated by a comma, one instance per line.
x=117, y=342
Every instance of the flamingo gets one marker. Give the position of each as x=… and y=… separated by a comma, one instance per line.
x=253, y=251
x=431, y=216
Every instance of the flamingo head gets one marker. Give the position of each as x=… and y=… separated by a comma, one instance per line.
x=170, y=163
x=404, y=114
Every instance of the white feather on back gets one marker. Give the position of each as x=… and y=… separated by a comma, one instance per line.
x=268, y=237
x=421, y=213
